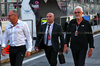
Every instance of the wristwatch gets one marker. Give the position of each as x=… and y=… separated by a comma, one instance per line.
x=2, y=48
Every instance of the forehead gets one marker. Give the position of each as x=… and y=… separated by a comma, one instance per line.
x=49, y=14
x=10, y=12
x=77, y=9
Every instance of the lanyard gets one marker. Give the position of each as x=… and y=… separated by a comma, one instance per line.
x=77, y=28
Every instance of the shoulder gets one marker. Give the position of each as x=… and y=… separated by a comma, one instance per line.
x=8, y=25
x=56, y=24
x=23, y=23
x=44, y=24
x=86, y=22
x=72, y=21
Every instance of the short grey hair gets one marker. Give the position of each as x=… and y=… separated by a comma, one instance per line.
x=79, y=8
x=14, y=12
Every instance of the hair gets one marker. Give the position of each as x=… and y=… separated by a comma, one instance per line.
x=79, y=8
x=14, y=12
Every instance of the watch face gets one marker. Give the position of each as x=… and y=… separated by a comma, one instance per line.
x=2, y=48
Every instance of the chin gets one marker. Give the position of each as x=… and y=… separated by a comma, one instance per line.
x=49, y=22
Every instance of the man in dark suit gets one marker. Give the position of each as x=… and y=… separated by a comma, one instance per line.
x=80, y=32
x=48, y=39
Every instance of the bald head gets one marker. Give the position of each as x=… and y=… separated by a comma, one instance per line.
x=51, y=13
x=50, y=17
x=12, y=16
x=13, y=12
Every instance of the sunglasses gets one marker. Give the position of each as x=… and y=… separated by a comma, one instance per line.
x=10, y=15
x=77, y=12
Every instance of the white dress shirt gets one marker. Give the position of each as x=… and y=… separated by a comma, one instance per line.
x=50, y=32
x=17, y=35
x=0, y=35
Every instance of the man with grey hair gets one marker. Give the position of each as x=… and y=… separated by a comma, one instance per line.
x=16, y=32
x=80, y=32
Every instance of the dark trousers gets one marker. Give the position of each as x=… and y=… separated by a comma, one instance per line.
x=51, y=55
x=16, y=55
x=79, y=57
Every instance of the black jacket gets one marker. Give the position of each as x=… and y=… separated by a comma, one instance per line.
x=56, y=33
x=84, y=37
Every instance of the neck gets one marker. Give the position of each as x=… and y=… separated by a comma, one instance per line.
x=14, y=22
x=79, y=20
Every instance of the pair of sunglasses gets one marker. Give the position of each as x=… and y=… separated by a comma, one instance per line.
x=10, y=15
x=77, y=12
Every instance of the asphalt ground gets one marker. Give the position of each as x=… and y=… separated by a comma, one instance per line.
x=39, y=59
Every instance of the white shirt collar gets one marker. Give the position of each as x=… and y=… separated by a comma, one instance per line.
x=17, y=23
x=51, y=24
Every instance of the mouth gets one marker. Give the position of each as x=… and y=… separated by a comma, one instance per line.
x=77, y=17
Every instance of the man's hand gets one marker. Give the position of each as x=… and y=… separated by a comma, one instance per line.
x=65, y=48
x=90, y=52
x=28, y=53
x=36, y=49
x=3, y=51
x=60, y=52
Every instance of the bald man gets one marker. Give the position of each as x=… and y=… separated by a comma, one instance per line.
x=16, y=32
x=48, y=39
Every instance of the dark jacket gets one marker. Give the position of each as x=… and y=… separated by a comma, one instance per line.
x=56, y=33
x=84, y=37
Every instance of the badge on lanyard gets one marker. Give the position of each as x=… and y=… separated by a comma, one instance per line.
x=76, y=32
x=48, y=37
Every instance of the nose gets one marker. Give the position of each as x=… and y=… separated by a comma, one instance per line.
x=77, y=13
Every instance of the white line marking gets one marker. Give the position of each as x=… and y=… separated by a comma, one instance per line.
x=25, y=61
x=96, y=35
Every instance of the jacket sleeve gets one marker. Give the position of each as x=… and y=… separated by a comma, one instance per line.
x=61, y=39
x=90, y=37
x=39, y=36
x=68, y=34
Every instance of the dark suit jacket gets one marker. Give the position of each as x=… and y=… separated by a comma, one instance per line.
x=56, y=32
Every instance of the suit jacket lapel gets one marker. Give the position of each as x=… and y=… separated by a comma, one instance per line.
x=53, y=28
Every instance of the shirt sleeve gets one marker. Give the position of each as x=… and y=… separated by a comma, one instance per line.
x=28, y=37
x=5, y=38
